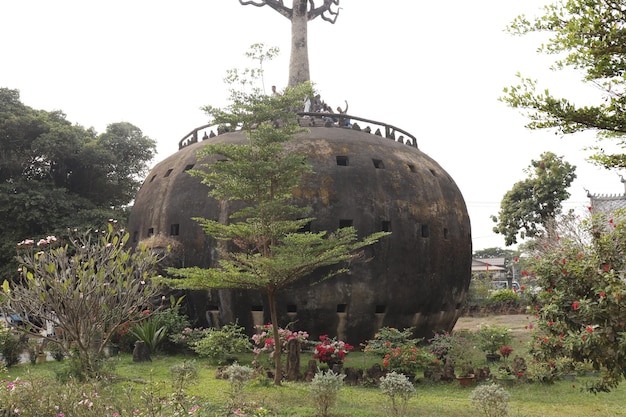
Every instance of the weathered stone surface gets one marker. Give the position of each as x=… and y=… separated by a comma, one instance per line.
x=417, y=277
x=141, y=353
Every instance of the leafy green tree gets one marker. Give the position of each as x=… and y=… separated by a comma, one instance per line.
x=583, y=304
x=587, y=36
x=86, y=287
x=55, y=175
x=531, y=204
x=264, y=247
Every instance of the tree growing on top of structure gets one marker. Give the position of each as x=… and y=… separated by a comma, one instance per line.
x=299, y=14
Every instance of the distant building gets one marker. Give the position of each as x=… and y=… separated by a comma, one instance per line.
x=608, y=203
x=492, y=266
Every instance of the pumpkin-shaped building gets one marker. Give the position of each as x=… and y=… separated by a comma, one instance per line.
x=416, y=277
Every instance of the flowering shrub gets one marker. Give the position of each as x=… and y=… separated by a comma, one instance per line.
x=583, y=314
x=407, y=359
x=263, y=340
x=331, y=350
x=188, y=336
x=505, y=351
x=441, y=345
x=492, y=338
x=389, y=337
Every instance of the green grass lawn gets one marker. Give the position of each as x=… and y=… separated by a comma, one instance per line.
x=564, y=398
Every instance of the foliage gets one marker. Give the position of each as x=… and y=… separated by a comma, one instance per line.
x=10, y=346
x=86, y=288
x=389, y=337
x=399, y=390
x=491, y=400
x=173, y=322
x=502, y=298
x=324, y=389
x=188, y=337
x=584, y=294
x=407, y=359
x=461, y=353
x=219, y=344
x=491, y=337
x=330, y=350
x=150, y=332
x=531, y=204
x=263, y=247
x=238, y=377
x=36, y=396
x=586, y=36
x=441, y=344
x=263, y=340
x=55, y=174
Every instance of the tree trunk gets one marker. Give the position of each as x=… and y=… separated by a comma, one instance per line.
x=299, y=60
x=278, y=369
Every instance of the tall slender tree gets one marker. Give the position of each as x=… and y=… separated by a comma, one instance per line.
x=265, y=247
x=299, y=14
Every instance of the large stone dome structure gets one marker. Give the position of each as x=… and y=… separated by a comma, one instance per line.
x=416, y=277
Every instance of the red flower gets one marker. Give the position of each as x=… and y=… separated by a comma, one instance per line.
x=589, y=329
x=602, y=294
x=575, y=305
x=605, y=268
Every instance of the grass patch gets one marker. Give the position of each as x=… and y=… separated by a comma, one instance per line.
x=564, y=398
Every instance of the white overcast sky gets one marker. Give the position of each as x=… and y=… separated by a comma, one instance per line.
x=435, y=69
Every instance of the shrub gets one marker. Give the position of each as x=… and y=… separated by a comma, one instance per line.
x=491, y=400
x=324, y=389
x=219, y=344
x=399, y=389
x=10, y=346
x=389, y=337
x=264, y=340
x=504, y=298
x=492, y=338
x=174, y=323
x=407, y=359
x=238, y=377
x=441, y=344
x=331, y=350
x=150, y=332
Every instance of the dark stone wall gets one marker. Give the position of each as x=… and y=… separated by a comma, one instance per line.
x=418, y=276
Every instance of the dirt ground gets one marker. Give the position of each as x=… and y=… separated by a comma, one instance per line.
x=518, y=323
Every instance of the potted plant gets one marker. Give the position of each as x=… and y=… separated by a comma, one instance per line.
x=459, y=353
x=491, y=338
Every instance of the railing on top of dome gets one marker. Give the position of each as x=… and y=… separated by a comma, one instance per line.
x=343, y=121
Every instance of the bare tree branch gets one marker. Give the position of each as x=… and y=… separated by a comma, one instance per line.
x=326, y=7
x=274, y=4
